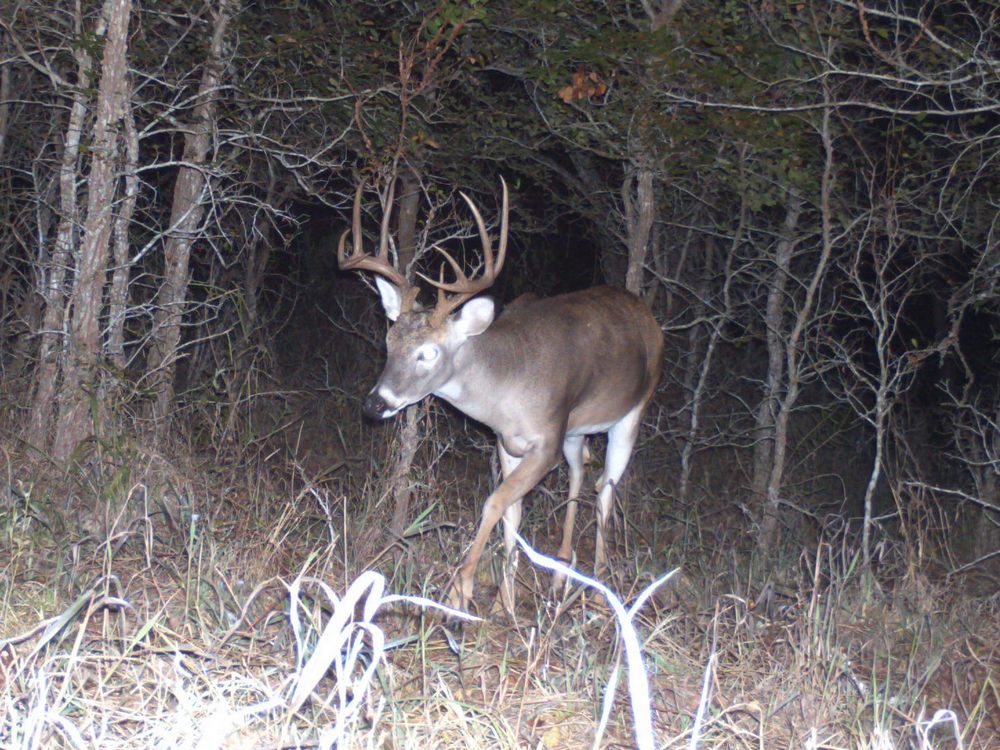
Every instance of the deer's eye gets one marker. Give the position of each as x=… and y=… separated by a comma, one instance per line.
x=428, y=353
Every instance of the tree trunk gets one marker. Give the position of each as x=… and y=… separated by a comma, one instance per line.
x=32, y=307
x=118, y=295
x=400, y=479
x=409, y=202
x=80, y=365
x=52, y=274
x=881, y=413
x=697, y=366
x=985, y=472
x=5, y=100
x=640, y=213
x=699, y=369
x=767, y=410
x=186, y=214
x=792, y=346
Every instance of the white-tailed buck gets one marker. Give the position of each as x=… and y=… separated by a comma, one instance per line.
x=543, y=375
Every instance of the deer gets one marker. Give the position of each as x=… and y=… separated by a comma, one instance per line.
x=543, y=375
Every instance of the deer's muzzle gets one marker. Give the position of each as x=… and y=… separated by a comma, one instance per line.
x=375, y=407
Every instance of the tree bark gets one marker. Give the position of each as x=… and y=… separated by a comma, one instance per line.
x=640, y=213
x=697, y=366
x=400, y=479
x=697, y=382
x=31, y=308
x=52, y=274
x=985, y=471
x=792, y=346
x=186, y=214
x=767, y=410
x=5, y=99
x=80, y=364
x=409, y=203
x=118, y=295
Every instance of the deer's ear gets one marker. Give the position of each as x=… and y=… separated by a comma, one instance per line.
x=475, y=316
x=391, y=299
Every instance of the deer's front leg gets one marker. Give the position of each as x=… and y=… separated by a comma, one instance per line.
x=511, y=523
x=533, y=467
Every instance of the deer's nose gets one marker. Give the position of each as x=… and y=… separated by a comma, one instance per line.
x=374, y=406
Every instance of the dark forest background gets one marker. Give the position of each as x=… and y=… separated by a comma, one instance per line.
x=805, y=193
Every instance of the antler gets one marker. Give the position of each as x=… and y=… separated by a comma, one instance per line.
x=463, y=287
x=359, y=260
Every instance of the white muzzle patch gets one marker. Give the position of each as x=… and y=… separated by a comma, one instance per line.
x=394, y=402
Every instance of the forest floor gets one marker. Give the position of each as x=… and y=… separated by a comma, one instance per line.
x=212, y=606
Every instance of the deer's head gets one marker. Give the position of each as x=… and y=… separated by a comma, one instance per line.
x=422, y=343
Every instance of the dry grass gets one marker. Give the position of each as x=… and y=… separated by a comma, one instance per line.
x=182, y=633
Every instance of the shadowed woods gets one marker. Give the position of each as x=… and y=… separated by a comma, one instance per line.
x=716, y=293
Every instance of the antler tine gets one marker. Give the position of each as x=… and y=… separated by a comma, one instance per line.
x=383, y=235
x=380, y=264
x=441, y=284
x=356, y=219
x=459, y=273
x=355, y=231
x=463, y=288
x=442, y=300
x=505, y=210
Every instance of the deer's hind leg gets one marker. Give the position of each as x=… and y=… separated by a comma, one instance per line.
x=621, y=441
x=574, y=448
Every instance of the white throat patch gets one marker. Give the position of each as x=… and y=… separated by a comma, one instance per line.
x=450, y=391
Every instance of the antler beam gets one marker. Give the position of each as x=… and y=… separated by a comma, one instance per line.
x=463, y=287
x=380, y=263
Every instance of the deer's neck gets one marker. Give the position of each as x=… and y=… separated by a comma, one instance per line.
x=482, y=379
